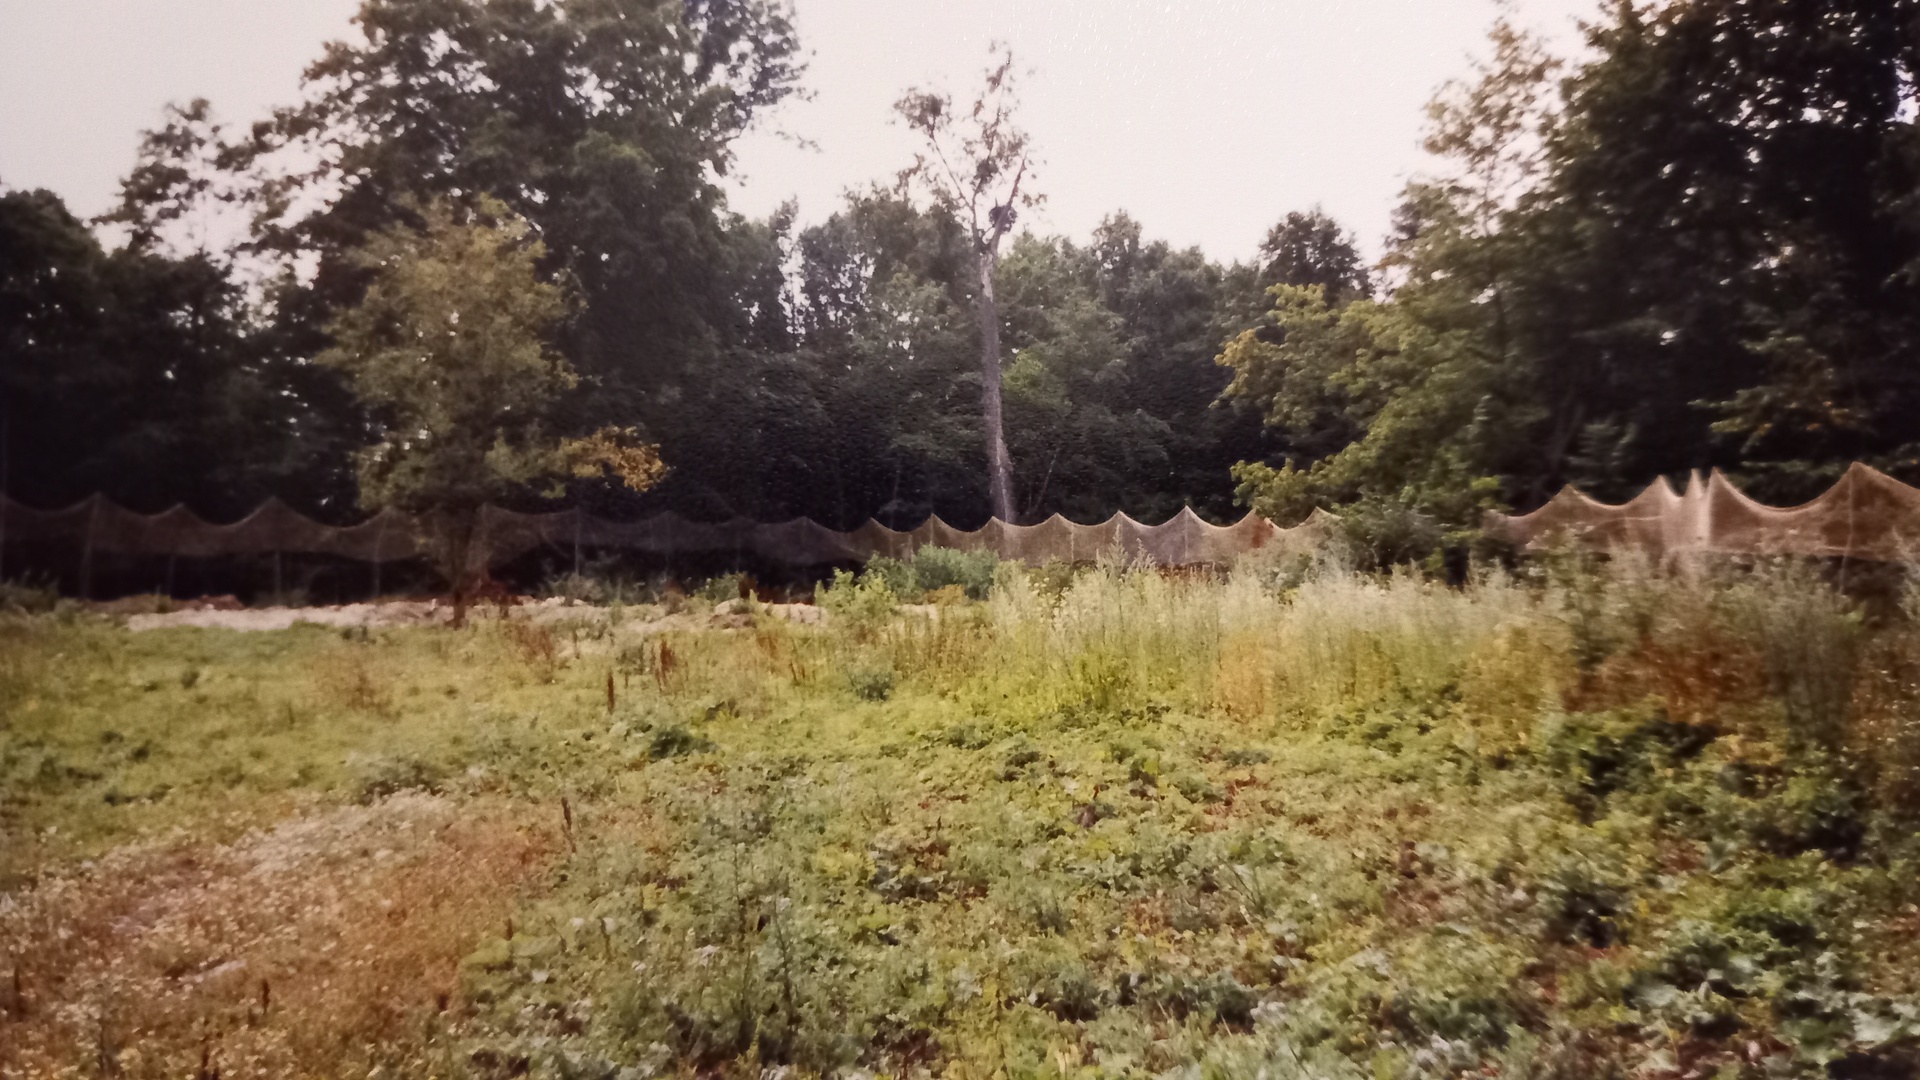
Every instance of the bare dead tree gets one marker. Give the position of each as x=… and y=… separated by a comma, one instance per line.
x=974, y=164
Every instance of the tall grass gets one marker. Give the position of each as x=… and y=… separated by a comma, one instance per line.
x=1199, y=641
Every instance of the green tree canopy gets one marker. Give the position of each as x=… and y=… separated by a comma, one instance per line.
x=1312, y=249
x=134, y=374
x=448, y=351
x=1696, y=249
x=604, y=122
x=1728, y=243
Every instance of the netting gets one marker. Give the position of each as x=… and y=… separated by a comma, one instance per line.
x=97, y=525
x=1866, y=514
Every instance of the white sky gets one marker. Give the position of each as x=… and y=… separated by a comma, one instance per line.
x=1208, y=120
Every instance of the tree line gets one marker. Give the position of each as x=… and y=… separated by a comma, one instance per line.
x=488, y=256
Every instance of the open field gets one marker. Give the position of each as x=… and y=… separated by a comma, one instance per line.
x=1118, y=824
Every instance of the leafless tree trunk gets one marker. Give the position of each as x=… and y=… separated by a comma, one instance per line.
x=971, y=156
x=999, y=463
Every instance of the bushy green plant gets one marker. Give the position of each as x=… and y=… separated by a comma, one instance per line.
x=896, y=574
x=1278, y=567
x=1584, y=901
x=937, y=567
x=1383, y=533
x=672, y=740
x=1603, y=753
x=931, y=569
x=722, y=587
x=1581, y=586
x=871, y=683
x=864, y=603
x=1808, y=635
x=376, y=776
x=1053, y=577
x=28, y=596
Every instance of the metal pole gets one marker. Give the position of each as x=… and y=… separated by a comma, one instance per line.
x=279, y=591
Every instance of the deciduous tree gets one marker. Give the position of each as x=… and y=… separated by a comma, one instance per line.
x=449, y=351
x=1312, y=249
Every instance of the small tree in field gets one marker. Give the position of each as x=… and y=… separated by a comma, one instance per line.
x=448, y=352
x=973, y=166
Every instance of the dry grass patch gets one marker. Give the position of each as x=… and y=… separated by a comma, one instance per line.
x=326, y=945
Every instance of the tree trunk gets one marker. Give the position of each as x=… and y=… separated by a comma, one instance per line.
x=453, y=550
x=999, y=464
x=462, y=590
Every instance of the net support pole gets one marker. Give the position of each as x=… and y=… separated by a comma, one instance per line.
x=1846, y=552
x=576, y=542
x=86, y=550
x=6, y=461
x=379, y=543
x=279, y=589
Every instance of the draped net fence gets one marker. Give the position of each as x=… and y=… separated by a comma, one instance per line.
x=1866, y=514
x=98, y=525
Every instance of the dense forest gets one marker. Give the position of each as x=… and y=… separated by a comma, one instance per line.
x=1697, y=245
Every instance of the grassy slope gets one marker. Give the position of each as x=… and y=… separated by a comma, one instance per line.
x=1367, y=829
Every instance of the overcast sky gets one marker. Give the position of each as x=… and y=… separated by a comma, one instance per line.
x=1206, y=119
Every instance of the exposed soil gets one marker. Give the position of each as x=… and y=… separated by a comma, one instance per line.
x=647, y=617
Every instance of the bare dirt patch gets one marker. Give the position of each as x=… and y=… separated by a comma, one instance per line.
x=386, y=613
x=643, y=618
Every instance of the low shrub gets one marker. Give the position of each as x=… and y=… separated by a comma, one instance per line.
x=896, y=574
x=375, y=776
x=28, y=596
x=1626, y=750
x=1808, y=636
x=864, y=603
x=673, y=740
x=871, y=683
x=933, y=570
x=937, y=568
x=723, y=587
x=1585, y=903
